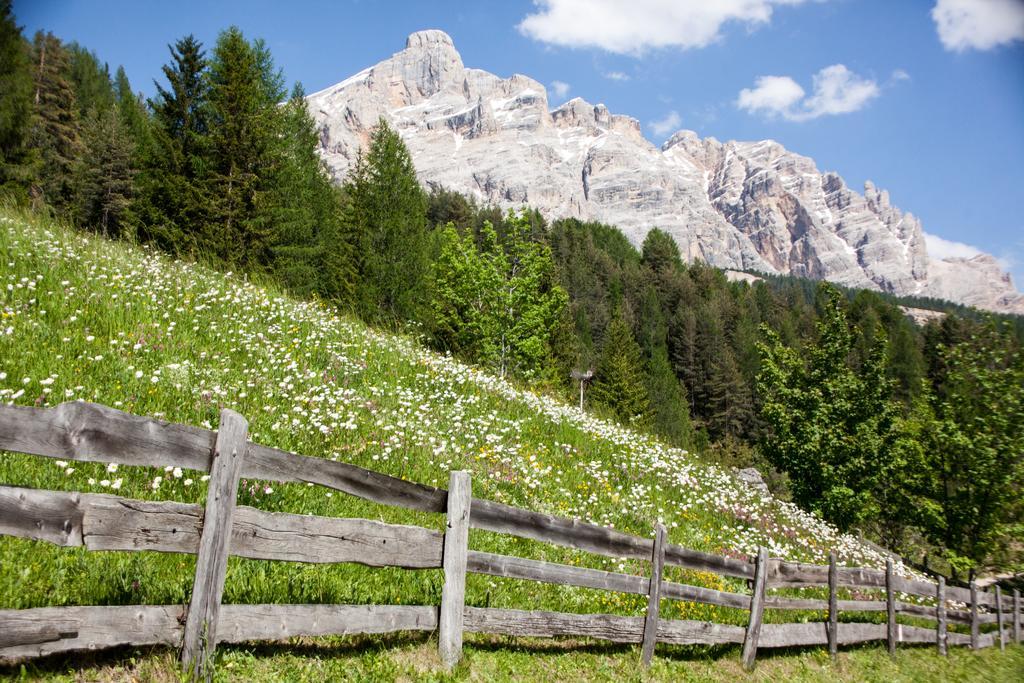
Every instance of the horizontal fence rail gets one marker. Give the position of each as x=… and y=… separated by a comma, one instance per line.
x=95, y=433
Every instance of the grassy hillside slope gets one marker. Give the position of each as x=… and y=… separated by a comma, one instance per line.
x=84, y=318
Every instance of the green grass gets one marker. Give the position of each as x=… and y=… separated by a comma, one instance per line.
x=413, y=657
x=84, y=318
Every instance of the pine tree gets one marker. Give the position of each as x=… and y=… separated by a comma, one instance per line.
x=243, y=129
x=660, y=251
x=173, y=203
x=306, y=213
x=17, y=158
x=619, y=380
x=103, y=174
x=131, y=109
x=669, y=405
x=387, y=214
x=55, y=121
x=90, y=80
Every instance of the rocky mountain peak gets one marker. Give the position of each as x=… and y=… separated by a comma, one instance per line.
x=428, y=38
x=747, y=206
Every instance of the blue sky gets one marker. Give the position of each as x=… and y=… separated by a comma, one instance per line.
x=923, y=97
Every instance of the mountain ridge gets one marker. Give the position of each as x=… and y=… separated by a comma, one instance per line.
x=740, y=205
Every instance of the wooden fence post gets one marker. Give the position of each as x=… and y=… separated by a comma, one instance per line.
x=941, y=636
x=456, y=547
x=833, y=606
x=890, y=608
x=756, y=610
x=1016, y=616
x=200, y=634
x=653, y=597
x=975, y=625
x=999, y=618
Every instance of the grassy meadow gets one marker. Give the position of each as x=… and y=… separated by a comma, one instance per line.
x=83, y=318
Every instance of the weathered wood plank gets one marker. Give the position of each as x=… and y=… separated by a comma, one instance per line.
x=915, y=634
x=41, y=515
x=707, y=596
x=299, y=538
x=750, y=641
x=200, y=636
x=958, y=639
x=90, y=628
x=999, y=618
x=91, y=432
x=833, y=606
x=678, y=556
x=1016, y=616
x=687, y=632
x=113, y=523
x=264, y=462
x=941, y=629
x=975, y=624
x=93, y=628
x=512, y=622
x=783, y=574
x=776, y=602
x=570, y=533
x=15, y=634
x=960, y=616
x=94, y=433
x=902, y=584
x=240, y=623
x=816, y=633
x=551, y=572
x=453, y=593
x=780, y=602
x=890, y=607
x=653, y=597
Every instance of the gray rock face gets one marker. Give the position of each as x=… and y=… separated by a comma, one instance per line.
x=737, y=205
x=752, y=478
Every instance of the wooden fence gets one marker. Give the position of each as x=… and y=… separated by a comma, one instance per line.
x=95, y=433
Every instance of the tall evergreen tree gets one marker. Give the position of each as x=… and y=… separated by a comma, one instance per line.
x=90, y=80
x=131, y=109
x=669, y=406
x=619, y=381
x=173, y=200
x=55, y=120
x=17, y=157
x=245, y=89
x=103, y=174
x=386, y=212
x=311, y=252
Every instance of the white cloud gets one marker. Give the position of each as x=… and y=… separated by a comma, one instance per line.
x=771, y=95
x=560, y=89
x=634, y=27
x=939, y=248
x=669, y=124
x=837, y=90
x=978, y=24
x=616, y=76
x=899, y=75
